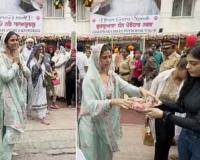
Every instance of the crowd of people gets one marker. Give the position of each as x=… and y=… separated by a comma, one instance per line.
x=162, y=84
x=32, y=76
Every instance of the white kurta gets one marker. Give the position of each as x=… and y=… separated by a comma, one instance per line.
x=39, y=98
x=60, y=60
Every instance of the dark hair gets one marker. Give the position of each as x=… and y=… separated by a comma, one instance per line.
x=52, y=63
x=80, y=47
x=149, y=51
x=106, y=47
x=137, y=51
x=198, y=34
x=125, y=49
x=9, y=35
x=33, y=53
x=189, y=82
x=182, y=63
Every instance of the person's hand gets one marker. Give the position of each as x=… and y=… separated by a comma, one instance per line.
x=41, y=56
x=122, y=103
x=129, y=79
x=139, y=104
x=155, y=102
x=17, y=60
x=154, y=113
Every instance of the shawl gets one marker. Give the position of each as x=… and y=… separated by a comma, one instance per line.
x=35, y=70
x=13, y=85
x=106, y=119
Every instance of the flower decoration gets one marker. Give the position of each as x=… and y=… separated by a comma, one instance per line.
x=58, y=4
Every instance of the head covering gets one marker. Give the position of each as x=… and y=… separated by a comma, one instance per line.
x=130, y=47
x=116, y=50
x=166, y=44
x=95, y=56
x=191, y=41
x=5, y=36
x=2, y=43
x=29, y=40
x=62, y=50
x=33, y=53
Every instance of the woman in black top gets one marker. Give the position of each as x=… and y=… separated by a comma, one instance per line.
x=189, y=103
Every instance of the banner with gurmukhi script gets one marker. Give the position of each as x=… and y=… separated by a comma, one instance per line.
x=21, y=16
x=124, y=17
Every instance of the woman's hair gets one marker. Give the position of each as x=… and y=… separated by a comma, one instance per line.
x=52, y=63
x=105, y=47
x=9, y=35
x=182, y=63
x=124, y=49
x=189, y=82
x=33, y=53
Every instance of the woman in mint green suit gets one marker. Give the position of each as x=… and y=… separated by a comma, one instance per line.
x=99, y=121
x=13, y=97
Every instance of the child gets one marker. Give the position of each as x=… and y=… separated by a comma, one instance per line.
x=53, y=75
x=137, y=71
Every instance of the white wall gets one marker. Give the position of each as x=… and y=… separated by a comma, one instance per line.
x=59, y=25
x=179, y=24
x=169, y=24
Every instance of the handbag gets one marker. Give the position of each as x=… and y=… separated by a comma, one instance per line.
x=148, y=138
x=55, y=82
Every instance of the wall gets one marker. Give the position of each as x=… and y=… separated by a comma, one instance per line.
x=59, y=25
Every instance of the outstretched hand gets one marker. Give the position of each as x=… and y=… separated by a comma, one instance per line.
x=154, y=113
x=122, y=103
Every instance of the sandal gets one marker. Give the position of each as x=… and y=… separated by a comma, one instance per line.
x=54, y=107
x=43, y=121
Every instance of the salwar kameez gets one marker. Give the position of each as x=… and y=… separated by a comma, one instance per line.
x=13, y=87
x=99, y=123
x=39, y=100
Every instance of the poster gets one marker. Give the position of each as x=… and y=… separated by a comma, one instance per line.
x=124, y=17
x=21, y=16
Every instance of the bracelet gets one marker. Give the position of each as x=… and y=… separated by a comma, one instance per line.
x=166, y=115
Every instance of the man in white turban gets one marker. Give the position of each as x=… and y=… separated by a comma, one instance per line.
x=26, y=52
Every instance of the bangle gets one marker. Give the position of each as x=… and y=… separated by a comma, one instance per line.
x=166, y=115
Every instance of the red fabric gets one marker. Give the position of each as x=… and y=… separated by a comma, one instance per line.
x=191, y=41
x=138, y=68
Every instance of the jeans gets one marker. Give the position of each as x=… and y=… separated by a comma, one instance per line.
x=189, y=145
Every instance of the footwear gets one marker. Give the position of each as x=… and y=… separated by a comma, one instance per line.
x=54, y=106
x=57, y=106
x=43, y=121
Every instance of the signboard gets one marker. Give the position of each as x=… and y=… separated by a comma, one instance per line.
x=124, y=17
x=21, y=16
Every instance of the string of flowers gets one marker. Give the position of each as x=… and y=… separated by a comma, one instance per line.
x=134, y=37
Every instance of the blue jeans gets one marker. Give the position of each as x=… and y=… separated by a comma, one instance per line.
x=189, y=145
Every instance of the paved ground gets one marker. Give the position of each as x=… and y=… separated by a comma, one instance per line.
x=57, y=141
x=131, y=146
x=53, y=142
